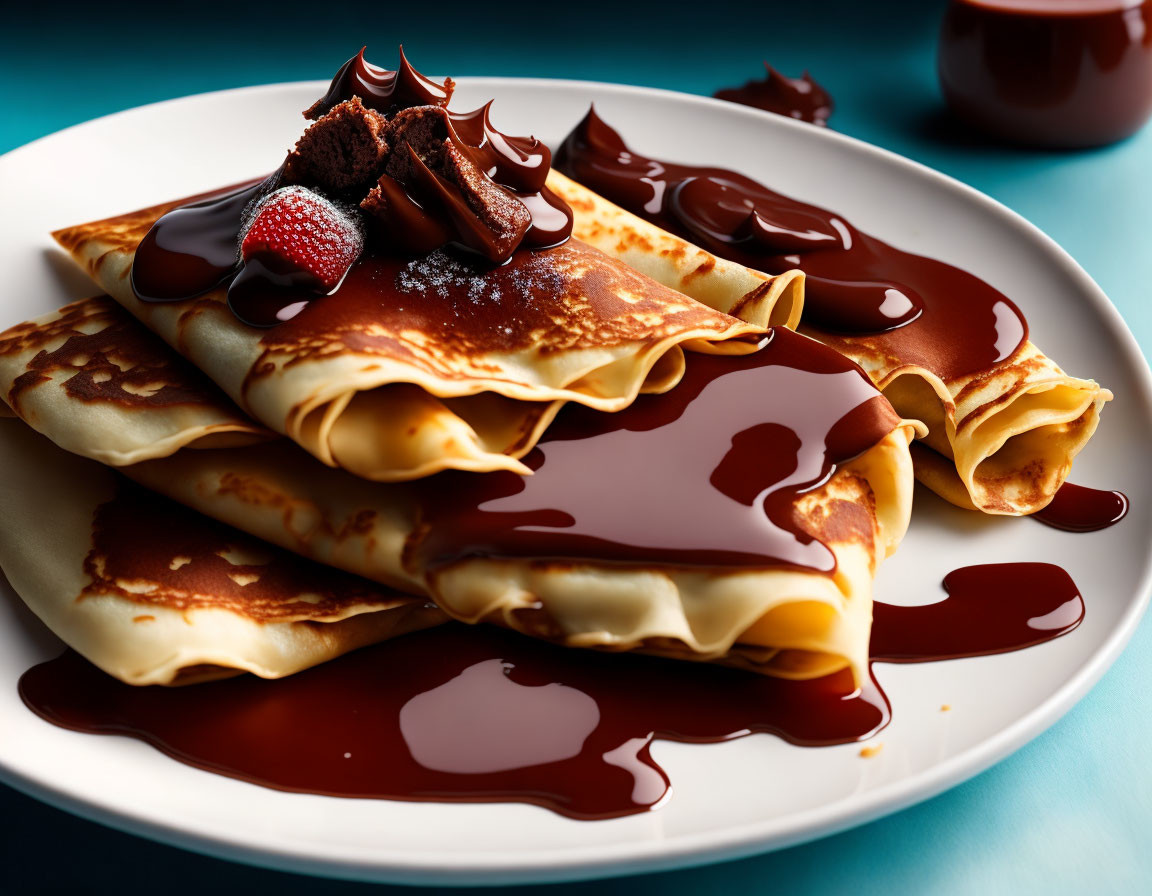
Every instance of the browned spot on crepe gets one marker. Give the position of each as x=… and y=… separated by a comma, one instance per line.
x=562, y=299
x=121, y=363
x=215, y=567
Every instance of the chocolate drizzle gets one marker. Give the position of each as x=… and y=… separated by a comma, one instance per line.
x=923, y=311
x=704, y=475
x=428, y=195
x=380, y=89
x=458, y=714
x=1075, y=508
x=800, y=98
x=195, y=248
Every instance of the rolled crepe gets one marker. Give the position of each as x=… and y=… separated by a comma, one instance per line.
x=154, y=593
x=1001, y=440
x=451, y=366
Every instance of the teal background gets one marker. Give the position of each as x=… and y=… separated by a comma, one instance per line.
x=1069, y=813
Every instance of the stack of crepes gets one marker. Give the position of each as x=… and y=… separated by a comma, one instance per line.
x=1004, y=421
x=592, y=458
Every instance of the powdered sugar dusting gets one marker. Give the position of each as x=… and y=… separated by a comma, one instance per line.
x=447, y=275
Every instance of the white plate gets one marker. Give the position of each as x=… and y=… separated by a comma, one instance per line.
x=730, y=799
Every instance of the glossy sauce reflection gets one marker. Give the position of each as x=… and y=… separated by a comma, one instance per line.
x=702, y=475
x=459, y=714
x=800, y=98
x=1076, y=508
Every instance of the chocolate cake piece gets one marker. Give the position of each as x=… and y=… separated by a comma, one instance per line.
x=422, y=144
x=343, y=152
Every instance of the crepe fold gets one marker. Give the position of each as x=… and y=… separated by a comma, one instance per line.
x=140, y=399
x=773, y=617
x=1001, y=440
x=154, y=593
x=433, y=363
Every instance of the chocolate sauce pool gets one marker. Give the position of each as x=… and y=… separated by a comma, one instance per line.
x=924, y=311
x=477, y=714
x=1076, y=508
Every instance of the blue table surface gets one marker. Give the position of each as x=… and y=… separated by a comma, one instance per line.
x=1072, y=811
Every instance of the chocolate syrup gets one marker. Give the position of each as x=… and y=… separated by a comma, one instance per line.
x=800, y=98
x=703, y=475
x=1061, y=73
x=1076, y=508
x=420, y=208
x=923, y=311
x=458, y=714
x=989, y=609
x=520, y=165
x=196, y=247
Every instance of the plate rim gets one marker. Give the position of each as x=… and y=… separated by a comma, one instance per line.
x=635, y=857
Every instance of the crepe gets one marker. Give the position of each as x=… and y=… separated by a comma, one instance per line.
x=1000, y=440
x=92, y=354
x=453, y=366
x=153, y=593
x=779, y=618
x=782, y=622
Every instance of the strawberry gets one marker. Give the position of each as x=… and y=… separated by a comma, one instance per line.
x=297, y=231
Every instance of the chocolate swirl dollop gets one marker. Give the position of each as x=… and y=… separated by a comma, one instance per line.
x=381, y=89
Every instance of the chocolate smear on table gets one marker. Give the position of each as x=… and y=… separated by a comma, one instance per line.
x=800, y=98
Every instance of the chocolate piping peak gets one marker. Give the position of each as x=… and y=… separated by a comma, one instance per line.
x=518, y=163
x=382, y=89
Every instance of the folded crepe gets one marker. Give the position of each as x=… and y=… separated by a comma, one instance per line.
x=450, y=365
x=1000, y=439
x=738, y=518
x=92, y=354
x=154, y=593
